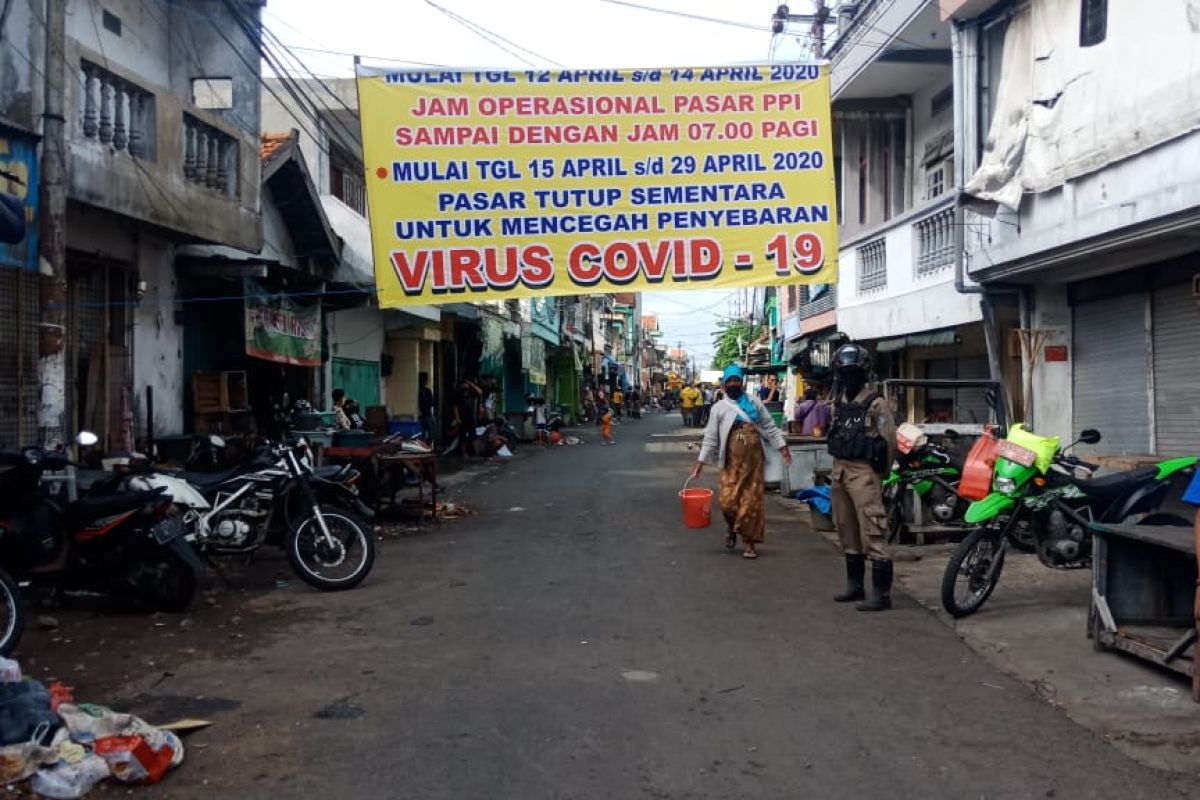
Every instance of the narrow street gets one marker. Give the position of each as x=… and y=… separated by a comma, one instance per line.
x=573, y=640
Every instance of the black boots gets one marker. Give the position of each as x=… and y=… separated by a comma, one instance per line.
x=856, y=568
x=881, y=582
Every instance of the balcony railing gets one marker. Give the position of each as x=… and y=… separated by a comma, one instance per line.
x=934, y=238
x=210, y=156
x=871, y=259
x=117, y=112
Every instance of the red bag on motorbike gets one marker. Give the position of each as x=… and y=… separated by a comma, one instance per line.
x=976, y=482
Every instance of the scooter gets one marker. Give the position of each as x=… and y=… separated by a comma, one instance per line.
x=126, y=545
x=1049, y=496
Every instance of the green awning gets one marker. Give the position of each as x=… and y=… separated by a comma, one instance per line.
x=891, y=345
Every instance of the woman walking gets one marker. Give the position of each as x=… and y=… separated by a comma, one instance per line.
x=739, y=428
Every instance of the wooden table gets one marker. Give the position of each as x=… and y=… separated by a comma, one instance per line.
x=382, y=463
x=1143, y=595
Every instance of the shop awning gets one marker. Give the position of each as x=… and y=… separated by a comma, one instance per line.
x=928, y=339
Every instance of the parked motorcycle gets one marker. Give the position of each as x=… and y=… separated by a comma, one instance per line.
x=928, y=472
x=127, y=545
x=274, y=500
x=1049, y=497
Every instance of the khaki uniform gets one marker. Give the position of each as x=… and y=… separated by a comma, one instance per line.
x=858, y=510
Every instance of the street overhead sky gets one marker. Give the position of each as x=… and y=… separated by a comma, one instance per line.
x=541, y=33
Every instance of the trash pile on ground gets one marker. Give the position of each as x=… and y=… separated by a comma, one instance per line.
x=64, y=748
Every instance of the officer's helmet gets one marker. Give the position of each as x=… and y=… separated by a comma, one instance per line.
x=852, y=356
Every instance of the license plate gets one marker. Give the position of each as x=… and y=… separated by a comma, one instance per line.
x=167, y=529
x=1015, y=453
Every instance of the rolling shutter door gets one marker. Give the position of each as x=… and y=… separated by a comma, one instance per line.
x=971, y=404
x=1176, y=371
x=1109, y=381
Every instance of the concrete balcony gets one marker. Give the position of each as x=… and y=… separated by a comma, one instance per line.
x=140, y=151
x=898, y=278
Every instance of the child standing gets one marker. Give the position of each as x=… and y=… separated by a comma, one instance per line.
x=606, y=426
x=539, y=419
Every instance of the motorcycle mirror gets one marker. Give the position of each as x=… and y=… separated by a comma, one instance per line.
x=86, y=439
x=1089, y=436
x=216, y=441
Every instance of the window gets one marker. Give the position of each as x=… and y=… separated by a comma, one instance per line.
x=875, y=180
x=991, y=51
x=935, y=180
x=111, y=22
x=345, y=179
x=212, y=93
x=1093, y=22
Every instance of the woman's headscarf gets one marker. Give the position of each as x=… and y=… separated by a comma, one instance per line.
x=744, y=403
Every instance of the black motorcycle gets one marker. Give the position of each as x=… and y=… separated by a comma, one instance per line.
x=274, y=500
x=126, y=545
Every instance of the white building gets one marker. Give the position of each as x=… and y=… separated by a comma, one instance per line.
x=893, y=86
x=1086, y=117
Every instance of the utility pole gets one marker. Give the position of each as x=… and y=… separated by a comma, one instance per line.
x=52, y=371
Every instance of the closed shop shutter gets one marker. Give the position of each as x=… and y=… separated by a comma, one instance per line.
x=1176, y=371
x=1109, y=379
x=971, y=404
x=19, y=386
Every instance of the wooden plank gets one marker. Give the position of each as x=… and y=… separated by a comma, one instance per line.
x=1173, y=537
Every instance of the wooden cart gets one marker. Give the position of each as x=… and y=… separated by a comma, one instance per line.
x=384, y=466
x=1143, y=594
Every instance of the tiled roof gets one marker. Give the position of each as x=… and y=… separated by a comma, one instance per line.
x=272, y=143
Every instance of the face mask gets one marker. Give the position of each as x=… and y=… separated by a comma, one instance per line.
x=733, y=392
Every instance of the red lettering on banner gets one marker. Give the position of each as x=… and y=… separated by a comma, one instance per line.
x=656, y=262
x=411, y=274
x=539, y=266
x=583, y=264
x=501, y=276
x=466, y=268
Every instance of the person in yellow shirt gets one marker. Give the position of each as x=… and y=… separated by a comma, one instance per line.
x=689, y=400
x=618, y=401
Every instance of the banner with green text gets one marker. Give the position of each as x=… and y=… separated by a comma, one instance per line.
x=487, y=185
x=282, y=328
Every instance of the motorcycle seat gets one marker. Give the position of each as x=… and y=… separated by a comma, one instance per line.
x=207, y=480
x=328, y=471
x=89, y=509
x=1115, y=484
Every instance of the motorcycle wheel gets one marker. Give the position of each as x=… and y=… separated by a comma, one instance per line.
x=972, y=562
x=342, y=566
x=164, y=583
x=12, y=614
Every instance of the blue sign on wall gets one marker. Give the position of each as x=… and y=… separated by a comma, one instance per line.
x=18, y=200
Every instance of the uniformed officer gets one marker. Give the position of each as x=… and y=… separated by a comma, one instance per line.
x=862, y=441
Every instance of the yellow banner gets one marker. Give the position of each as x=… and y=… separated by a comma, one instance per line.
x=493, y=185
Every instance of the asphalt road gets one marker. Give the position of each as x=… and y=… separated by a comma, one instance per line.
x=572, y=640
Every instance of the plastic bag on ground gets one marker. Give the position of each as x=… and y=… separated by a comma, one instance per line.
x=25, y=712
x=504, y=452
x=819, y=497
x=132, y=759
x=67, y=781
x=10, y=671
x=19, y=761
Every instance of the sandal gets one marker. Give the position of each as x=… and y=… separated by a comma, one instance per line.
x=731, y=540
x=750, y=554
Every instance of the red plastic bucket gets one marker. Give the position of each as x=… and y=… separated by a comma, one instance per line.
x=697, y=507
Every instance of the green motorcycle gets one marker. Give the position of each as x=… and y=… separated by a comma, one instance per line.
x=923, y=484
x=1047, y=496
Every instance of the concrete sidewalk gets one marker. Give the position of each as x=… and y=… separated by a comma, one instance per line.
x=1034, y=629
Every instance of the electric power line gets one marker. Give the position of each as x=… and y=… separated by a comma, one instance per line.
x=685, y=15
x=484, y=31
